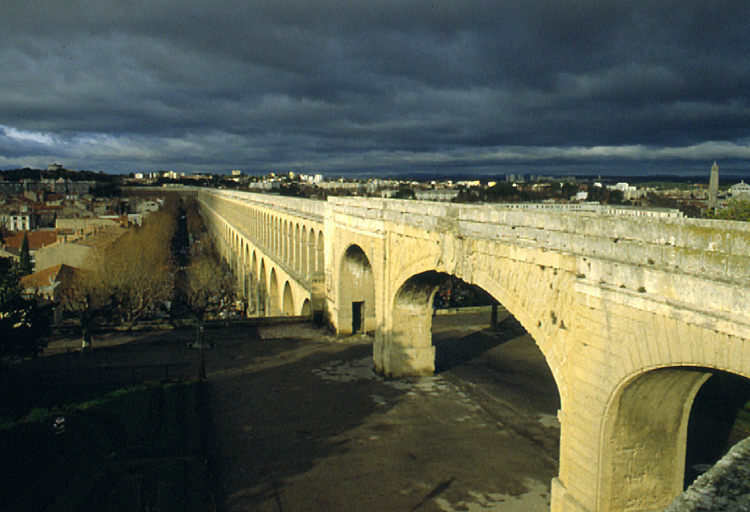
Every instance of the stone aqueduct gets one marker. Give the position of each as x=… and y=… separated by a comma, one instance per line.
x=632, y=314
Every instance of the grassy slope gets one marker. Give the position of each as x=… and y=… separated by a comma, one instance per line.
x=134, y=449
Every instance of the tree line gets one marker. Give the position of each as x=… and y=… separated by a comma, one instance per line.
x=168, y=266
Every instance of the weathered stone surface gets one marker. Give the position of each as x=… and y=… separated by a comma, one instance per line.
x=725, y=487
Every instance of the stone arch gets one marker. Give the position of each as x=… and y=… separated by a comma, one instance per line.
x=263, y=289
x=644, y=437
x=306, y=308
x=643, y=440
x=254, y=272
x=297, y=256
x=276, y=235
x=266, y=227
x=320, y=253
x=287, y=300
x=263, y=219
x=274, y=302
x=254, y=291
x=304, y=253
x=493, y=286
x=285, y=241
x=311, y=255
x=356, y=293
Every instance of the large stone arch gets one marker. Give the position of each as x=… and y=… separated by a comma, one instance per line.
x=356, y=292
x=642, y=452
x=643, y=437
x=287, y=300
x=539, y=281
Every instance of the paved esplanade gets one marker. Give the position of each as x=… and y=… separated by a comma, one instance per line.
x=629, y=311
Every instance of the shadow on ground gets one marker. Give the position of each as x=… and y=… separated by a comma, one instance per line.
x=455, y=351
x=277, y=417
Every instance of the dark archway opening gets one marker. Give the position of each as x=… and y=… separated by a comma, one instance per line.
x=479, y=340
x=719, y=419
x=467, y=322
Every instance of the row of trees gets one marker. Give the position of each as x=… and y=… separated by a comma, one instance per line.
x=127, y=280
x=150, y=269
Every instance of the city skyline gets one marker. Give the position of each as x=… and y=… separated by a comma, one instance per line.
x=354, y=88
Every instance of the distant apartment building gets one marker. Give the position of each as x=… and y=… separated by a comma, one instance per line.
x=469, y=183
x=339, y=185
x=264, y=185
x=438, y=194
x=629, y=192
x=60, y=186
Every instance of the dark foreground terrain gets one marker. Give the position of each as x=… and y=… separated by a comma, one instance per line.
x=290, y=419
x=303, y=423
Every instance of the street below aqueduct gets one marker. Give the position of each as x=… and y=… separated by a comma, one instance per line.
x=305, y=424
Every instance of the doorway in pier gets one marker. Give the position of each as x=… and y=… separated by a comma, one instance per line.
x=358, y=317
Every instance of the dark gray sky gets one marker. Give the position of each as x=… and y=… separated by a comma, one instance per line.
x=376, y=87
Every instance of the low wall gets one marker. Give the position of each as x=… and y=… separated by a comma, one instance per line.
x=725, y=487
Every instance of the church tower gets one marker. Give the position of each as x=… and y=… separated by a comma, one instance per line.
x=713, y=187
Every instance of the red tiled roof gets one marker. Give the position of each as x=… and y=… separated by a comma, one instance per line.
x=37, y=239
x=48, y=276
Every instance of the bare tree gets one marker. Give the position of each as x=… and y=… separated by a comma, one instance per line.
x=206, y=287
x=139, y=268
x=88, y=296
x=127, y=279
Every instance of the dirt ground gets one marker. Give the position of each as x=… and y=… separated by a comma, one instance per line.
x=303, y=424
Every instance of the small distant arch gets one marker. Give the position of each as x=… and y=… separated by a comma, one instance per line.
x=320, y=257
x=306, y=308
x=304, y=252
x=288, y=300
x=274, y=304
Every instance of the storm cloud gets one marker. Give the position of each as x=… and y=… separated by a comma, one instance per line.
x=383, y=87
